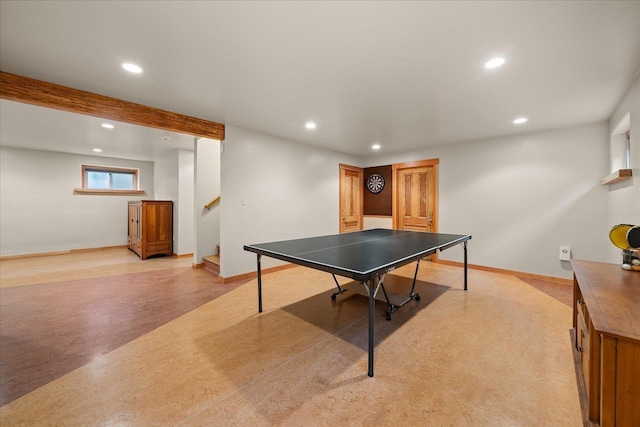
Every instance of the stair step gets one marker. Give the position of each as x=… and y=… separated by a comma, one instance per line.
x=215, y=259
x=212, y=263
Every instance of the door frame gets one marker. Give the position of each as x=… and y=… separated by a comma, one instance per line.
x=359, y=170
x=395, y=171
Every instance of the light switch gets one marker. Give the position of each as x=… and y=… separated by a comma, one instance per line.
x=565, y=253
x=243, y=201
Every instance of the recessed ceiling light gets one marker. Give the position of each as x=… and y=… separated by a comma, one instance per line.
x=107, y=126
x=375, y=146
x=97, y=150
x=310, y=125
x=132, y=68
x=495, y=62
x=520, y=120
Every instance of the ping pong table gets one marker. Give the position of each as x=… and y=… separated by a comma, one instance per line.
x=364, y=256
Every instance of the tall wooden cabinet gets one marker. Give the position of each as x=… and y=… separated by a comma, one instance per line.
x=606, y=322
x=150, y=227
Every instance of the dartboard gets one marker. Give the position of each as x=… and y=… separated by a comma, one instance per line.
x=375, y=183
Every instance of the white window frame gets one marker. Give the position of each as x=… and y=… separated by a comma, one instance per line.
x=109, y=169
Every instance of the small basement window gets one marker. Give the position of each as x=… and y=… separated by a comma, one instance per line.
x=109, y=180
x=619, y=152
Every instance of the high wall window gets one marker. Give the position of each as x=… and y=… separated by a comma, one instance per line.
x=109, y=179
x=105, y=178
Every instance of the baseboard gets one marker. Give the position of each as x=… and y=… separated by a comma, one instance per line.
x=176, y=256
x=253, y=274
x=558, y=280
x=67, y=252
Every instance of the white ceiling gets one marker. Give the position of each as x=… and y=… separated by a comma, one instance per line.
x=39, y=128
x=402, y=74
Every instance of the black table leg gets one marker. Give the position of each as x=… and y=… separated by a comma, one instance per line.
x=465, y=265
x=372, y=310
x=415, y=275
x=259, y=285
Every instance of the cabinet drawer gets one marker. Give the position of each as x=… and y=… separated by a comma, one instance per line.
x=583, y=334
x=582, y=311
x=582, y=326
x=582, y=344
x=158, y=246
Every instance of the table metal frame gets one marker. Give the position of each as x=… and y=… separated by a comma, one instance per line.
x=368, y=280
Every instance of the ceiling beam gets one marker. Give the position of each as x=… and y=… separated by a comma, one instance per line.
x=30, y=91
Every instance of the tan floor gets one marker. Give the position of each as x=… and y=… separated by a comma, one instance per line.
x=80, y=265
x=68, y=309
x=497, y=355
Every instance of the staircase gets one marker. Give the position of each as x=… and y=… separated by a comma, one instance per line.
x=212, y=262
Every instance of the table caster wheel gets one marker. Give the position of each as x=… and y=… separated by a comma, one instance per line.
x=333, y=297
x=417, y=297
x=388, y=316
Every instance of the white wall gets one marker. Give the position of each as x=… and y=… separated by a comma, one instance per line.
x=39, y=212
x=185, y=209
x=290, y=190
x=521, y=197
x=165, y=179
x=624, y=197
x=206, y=188
x=369, y=222
x=173, y=180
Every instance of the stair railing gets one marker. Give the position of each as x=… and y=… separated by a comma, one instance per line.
x=213, y=202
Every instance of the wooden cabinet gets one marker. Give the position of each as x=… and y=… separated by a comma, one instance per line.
x=150, y=228
x=606, y=322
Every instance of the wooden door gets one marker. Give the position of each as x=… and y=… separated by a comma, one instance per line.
x=416, y=196
x=351, y=198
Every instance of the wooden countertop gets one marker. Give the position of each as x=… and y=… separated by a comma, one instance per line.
x=612, y=296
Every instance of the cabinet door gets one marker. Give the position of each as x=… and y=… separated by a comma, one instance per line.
x=138, y=221
x=132, y=226
x=134, y=220
x=157, y=222
x=157, y=232
x=164, y=222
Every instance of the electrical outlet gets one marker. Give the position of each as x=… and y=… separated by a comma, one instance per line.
x=565, y=253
